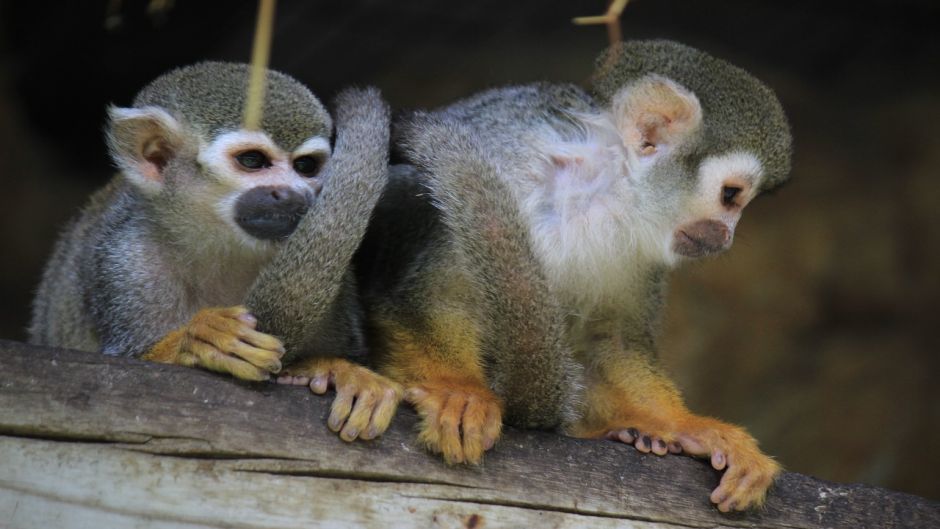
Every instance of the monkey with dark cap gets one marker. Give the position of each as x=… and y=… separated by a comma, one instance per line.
x=526, y=281
x=226, y=248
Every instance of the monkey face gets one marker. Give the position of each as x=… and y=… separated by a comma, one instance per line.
x=265, y=190
x=724, y=185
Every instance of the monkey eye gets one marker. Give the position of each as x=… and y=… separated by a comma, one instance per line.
x=728, y=194
x=308, y=165
x=253, y=160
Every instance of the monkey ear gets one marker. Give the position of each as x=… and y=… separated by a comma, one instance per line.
x=142, y=141
x=654, y=113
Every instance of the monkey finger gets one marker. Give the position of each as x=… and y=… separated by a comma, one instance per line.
x=428, y=405
x=692, y=446
x=293, y=380
x=261, y=340
x=718, y=460
x=383, y=413
x=473, y=422
x=235, y=311
x=675, y=447
x=644, y=444
x=211, y=358
x=493, y=425
x=627, y=436
x=320, y=383
x=449, y=424
x=262, y=358
x=358, y=419
x=342, y=406
x=659, y=447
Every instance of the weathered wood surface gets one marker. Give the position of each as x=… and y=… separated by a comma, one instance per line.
x=92, y=441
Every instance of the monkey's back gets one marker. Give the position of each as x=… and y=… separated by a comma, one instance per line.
x=60, y=316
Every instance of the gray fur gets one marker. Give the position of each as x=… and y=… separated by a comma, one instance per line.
x=136, y=265
x=740, y=111
x=490, y=238
x=459, y=151
x=307, y=295
x=209, y=98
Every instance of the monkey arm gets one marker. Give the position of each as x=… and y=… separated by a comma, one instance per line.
x=629, y=399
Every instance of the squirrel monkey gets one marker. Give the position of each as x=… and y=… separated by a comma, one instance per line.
x=187, y=255
x=555, y=216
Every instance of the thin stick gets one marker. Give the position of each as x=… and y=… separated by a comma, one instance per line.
x=611, y=18
x=260, y=52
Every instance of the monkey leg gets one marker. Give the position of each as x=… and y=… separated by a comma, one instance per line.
x=365, y=401
x=629, y=401
x=221, y=339
x=461, y=417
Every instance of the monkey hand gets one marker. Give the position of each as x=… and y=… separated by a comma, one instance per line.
x=460, y=419
x=748, y=472
x=221, y=339
x=365, y=401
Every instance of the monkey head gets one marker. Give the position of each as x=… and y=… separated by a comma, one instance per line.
x=704, y=138
x=183, y=147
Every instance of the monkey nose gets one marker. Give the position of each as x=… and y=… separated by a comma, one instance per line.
x=702, y=238
x=270, y=212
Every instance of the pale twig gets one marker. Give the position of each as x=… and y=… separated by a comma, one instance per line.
x=611, y=18
x=260, y=52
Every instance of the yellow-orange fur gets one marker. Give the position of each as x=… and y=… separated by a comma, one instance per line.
x=376, y=397
x=219, y=340
x=442, y=369
x=630, y=393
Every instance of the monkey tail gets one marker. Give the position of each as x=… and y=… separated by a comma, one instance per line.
x=533, y=368
x=295, y=295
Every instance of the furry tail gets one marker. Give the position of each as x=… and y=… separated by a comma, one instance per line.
x=532, y=367
x=296, y=297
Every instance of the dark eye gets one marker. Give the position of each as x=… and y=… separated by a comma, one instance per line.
x=308, y=165
x=253, y=160
x=728, y=194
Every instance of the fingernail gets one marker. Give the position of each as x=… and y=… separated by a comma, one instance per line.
x=634, y=433
x=489, y=443
x=248, y=318
x=647, y=442
x=370, y=434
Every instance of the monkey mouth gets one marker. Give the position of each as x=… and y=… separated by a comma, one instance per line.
x=270, y=225
x=701, y=239
x=270, y=213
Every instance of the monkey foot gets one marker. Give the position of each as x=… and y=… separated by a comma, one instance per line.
x=644, y=442
x=460, y=420
x=365, y=401
x=221, y=339
x=748, y=472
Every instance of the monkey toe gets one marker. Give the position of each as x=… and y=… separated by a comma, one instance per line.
x=292, y=380
x=748, y=473
x=460, y=422
x=644, y=442
x=384, y=410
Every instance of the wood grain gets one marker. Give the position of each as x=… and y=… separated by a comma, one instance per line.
x=93, y=441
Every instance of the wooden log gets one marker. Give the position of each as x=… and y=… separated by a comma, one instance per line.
x=93, y=441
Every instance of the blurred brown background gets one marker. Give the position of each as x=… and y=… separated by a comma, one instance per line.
x=818, y=331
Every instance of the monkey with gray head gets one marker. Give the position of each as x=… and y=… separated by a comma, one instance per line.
x=556, y=218
x=218, y=247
